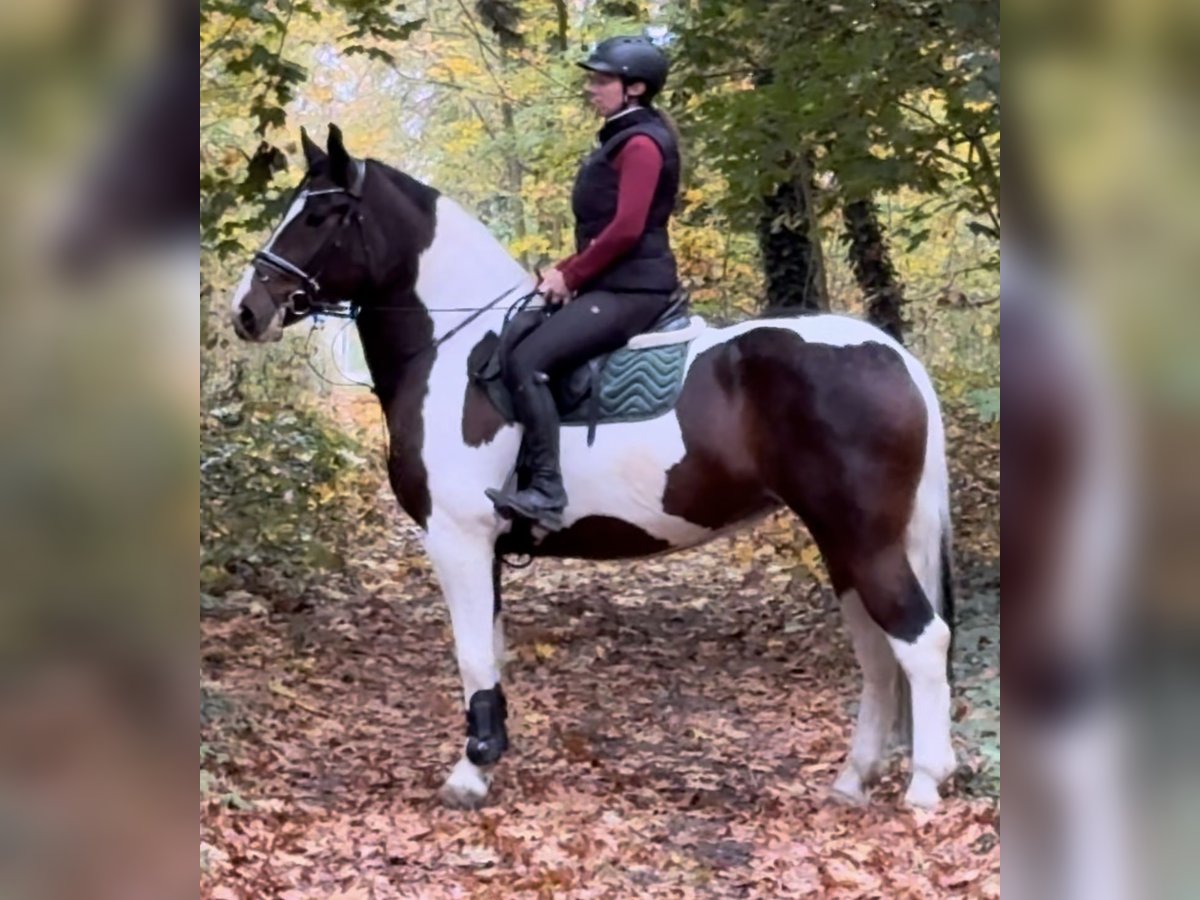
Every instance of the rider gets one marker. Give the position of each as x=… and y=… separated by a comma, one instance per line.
x=623, y=274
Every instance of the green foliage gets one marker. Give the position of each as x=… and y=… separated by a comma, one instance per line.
x=986, y=403
x=284, y=493
x=885, y=95
x=251, y=73
x=977, y=641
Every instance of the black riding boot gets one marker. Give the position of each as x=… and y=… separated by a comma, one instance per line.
x=544, y=500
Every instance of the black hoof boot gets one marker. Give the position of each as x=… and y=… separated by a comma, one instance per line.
x=487, y=738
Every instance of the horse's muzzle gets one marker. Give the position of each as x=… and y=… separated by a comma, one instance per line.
x=257, y=319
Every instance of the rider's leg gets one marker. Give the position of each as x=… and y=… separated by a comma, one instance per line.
x=592, y=324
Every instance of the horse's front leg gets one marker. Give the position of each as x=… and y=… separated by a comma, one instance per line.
x=463, y=562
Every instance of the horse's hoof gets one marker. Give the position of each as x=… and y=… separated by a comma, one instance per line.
x=922, y=792
x=457, y=797
x=848, y=790
x=466, y=787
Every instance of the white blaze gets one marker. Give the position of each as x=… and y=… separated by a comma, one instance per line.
x=247, y=280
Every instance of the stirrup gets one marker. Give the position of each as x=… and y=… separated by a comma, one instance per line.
x=507, y=506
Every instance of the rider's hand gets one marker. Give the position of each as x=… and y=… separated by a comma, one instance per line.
x=554, y=287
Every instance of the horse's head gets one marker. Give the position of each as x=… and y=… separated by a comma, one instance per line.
x=322, y=255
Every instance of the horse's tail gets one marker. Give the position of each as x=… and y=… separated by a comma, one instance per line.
x=947, y=597
x=928, y=536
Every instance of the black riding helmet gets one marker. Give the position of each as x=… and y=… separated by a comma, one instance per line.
x=634, y=59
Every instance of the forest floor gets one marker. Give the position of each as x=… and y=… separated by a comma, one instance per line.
x=675, y=724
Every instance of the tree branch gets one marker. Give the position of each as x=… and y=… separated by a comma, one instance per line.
x=214, y=47
x=482, y=118
x=448, y=84
x=484, y=49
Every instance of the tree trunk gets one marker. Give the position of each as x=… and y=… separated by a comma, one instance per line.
x=512, y=178
x=791, y=248
x=560, y=7
x=512, y=167
x=868, y=256
x=623, y=9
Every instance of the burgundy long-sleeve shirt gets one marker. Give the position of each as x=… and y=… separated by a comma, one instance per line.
x=638, y=163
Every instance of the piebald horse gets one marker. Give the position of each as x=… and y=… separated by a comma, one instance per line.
x=825, y=415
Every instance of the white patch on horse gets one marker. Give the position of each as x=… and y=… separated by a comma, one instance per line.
x=247, y=279
x=463, y=565
x=624, y=475
x=463, y=269
x=924, y=662
x=242, y=291
x=876, y=705
x=457, y=474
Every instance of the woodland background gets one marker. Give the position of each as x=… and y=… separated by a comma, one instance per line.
x=840, y=156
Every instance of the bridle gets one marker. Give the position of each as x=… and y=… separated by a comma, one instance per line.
x=309, y=299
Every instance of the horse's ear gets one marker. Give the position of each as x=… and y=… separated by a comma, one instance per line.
x=313, y=154
x=340, y=164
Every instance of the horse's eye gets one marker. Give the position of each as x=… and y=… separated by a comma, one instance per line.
x=263, y=276
x=314, y=219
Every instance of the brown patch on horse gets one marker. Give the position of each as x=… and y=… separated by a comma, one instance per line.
x=592, y=537
x=481, y=420
x=398, y=348
x=717, y=482
x=400, y=373
x=835, y=432
x=406, y=468
x=837, y=422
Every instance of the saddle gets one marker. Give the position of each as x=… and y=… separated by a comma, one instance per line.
x=641, y=380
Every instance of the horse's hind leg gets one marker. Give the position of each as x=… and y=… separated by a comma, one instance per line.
x=920, y=640
x=876, y=705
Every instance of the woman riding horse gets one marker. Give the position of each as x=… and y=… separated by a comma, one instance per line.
x=622, y=275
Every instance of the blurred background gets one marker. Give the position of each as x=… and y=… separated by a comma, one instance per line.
x=99, y=272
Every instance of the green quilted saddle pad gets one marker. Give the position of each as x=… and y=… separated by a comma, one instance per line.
x=636, y=385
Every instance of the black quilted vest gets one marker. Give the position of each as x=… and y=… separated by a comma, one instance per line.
x=649, y=264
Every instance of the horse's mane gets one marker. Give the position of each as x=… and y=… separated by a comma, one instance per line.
x=788, y=312
x=422, y=195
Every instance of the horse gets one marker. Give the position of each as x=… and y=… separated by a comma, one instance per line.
x=825, y=415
